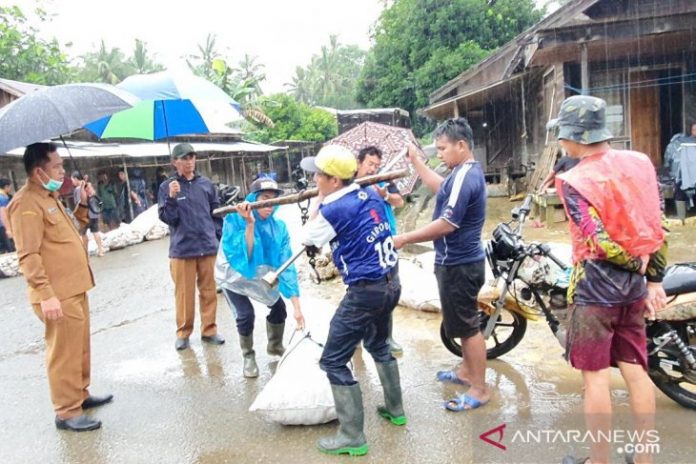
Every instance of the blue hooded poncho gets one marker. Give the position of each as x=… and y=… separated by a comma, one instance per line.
x=271, y=250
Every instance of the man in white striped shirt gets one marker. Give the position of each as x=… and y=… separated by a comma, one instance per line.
x=460, y=212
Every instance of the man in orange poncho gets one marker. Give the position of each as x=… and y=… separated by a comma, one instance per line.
x=614, y=206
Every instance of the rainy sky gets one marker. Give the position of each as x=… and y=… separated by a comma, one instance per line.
x=282, y=33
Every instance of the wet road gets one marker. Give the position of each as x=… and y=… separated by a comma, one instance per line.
x=192, y=407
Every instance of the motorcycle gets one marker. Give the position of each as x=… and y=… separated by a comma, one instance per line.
x=531, y=282
x=228, y=194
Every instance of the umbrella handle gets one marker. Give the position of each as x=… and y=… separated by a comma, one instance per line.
x=72, y=160
x=396, y=159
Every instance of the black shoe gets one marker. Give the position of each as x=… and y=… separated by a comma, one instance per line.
x=181, y=344
x=78, y=424
x=96, y=401
x=213, y=339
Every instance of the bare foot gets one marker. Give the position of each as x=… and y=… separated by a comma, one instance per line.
x=481, y=394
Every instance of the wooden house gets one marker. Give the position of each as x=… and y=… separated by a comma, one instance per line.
x=638, y=55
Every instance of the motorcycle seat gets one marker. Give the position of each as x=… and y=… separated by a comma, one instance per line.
x=680, y=279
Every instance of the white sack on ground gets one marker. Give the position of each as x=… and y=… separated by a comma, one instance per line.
x=146, y=221
x=299, y=393
x=418, y=287
x=160, y=230
x=9, y=265
x=117, y=238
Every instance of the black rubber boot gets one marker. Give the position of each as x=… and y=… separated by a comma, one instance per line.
x=251, y=370
x=275, y=338
x=350, y=438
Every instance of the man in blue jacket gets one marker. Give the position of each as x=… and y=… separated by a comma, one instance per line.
x=186, y=203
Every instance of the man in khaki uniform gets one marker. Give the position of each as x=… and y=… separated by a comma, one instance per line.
x=54, y=262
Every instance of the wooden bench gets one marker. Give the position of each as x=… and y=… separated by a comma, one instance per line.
x=548, y=208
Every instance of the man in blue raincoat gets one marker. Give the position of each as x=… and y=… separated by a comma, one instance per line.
x=254, y=243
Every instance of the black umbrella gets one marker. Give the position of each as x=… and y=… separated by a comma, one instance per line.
x=57, y=110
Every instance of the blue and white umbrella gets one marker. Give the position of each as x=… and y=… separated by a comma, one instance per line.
x=174, y=103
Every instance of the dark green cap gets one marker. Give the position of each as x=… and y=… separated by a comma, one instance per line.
x=182, y=150
x=582, y=119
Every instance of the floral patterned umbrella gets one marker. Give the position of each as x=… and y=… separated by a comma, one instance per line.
x=391, y=140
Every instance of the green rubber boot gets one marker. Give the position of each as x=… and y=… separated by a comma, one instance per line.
x=394, y=347
x=350, y=438
x=393, y=408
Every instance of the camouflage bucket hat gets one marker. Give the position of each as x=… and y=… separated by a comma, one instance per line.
x=582, y=119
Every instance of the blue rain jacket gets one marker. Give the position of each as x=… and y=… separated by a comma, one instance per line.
x=271, y=249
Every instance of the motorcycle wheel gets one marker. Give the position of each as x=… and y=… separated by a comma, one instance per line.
x=507, y=334
x=671, y=380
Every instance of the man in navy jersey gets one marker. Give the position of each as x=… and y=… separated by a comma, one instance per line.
x=460, y=211
x=354, y=222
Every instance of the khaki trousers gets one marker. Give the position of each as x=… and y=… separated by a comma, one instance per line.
x=186, y=273
x=68, y=355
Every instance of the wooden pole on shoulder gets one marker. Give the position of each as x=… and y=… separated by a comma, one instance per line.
x=310, y=193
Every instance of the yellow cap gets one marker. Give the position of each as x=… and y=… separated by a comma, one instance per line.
x=334, y=160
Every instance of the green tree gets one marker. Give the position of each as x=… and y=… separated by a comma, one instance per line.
x=106, y=64
x=331, y=76
x=201, y=63
x=250, y=70
x=419, y=45
x=26, y=57
x=300, y=85
x=293, y=120
x=142, y=62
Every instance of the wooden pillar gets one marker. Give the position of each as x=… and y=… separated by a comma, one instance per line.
x=584, y=70
x=13, y=180
x=130, y=202
x=234, y=174
x=455, y=110
x=244, y=177
x=287, y=158
x=525, y=153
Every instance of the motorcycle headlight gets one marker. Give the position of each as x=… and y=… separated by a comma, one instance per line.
x=504, y=242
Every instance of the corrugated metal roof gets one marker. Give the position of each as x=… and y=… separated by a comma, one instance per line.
x=18, y=88
x=143, y=150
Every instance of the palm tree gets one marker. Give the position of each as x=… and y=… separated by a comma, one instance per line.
x=330, y=78
x=203, y=62
x=327, y=68
x=252, y=71
x=141, y=61
x=105, y=65
x=301, y=84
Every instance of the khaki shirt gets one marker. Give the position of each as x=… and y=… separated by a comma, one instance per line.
x=51, y=254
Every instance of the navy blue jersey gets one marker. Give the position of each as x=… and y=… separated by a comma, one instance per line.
x=461, y=201
x=354, y=222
